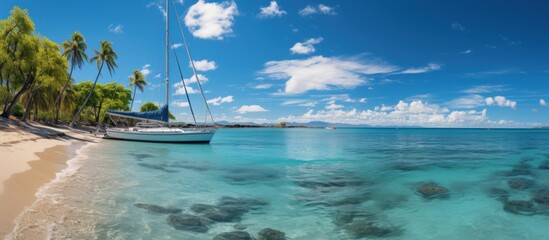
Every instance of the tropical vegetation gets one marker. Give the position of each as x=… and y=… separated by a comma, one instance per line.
x=138, y=81
x=150, y=106
x=36, y=76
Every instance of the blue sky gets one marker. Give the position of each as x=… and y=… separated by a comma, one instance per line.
x=409, y=63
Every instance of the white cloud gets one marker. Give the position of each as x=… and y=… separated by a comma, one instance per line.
x=263, y=86
x=319, y=9
x=159, y=5
x=180, y=90
x=307, y=104
x=305, y=47
x=273, y=10
x=158, y=75
x=333, y=105
x=220, y=100
x=116, y=29
x=469, y=101
x=362, y=100
x=323, y=73
x=430, y=67
x=414, y=113
x=458, y=27
x=325, y=9
x=542, y=102
x=180, y=103
x=299, y=102
x=211, y=20
x=251, y=108
x=176, y=45
x=500, y=101
x=308, y=10
x=203, y=79
x=204, y=65
x=484, y=89
x=145, y=70
x=468, y=51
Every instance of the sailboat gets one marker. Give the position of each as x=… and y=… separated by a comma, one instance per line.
x=155, y=127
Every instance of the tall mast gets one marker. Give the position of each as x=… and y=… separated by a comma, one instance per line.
x=167, y=51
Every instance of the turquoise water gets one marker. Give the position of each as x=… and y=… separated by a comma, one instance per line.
x=314, y=184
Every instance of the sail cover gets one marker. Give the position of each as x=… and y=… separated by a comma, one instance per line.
x=160, y=115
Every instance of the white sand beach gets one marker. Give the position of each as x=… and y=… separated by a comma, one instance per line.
x=30, y=157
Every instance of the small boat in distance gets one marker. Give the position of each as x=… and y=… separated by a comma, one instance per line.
x=330, y=128
x=155, y=127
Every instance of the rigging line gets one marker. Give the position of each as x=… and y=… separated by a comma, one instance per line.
x=192, y=63
x=184, y=85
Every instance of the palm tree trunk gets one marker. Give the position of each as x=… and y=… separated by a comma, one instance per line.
x=7, y=98
x=87, y=98
x=133, y=98
x=58, y=100
x=29, y=104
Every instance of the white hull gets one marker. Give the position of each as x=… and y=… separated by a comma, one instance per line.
x=164, y=134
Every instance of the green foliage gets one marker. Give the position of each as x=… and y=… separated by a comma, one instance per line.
x=74, y=50
x=110, y=96
x=18, y=110
x=106, y=57
x=31, y=66
x=150, y=106
x=139, y=82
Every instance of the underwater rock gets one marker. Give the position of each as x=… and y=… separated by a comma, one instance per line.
x=271, y=234
x=250, y=175
x=516, y=172
x=161, y=167
x=541, y=196
x=141, y=156
x=342, y=217
x=519, y=207
x=235, y=235
x=202, y=208
x=240, y=226
x=229, y=209
x=520, y=183
x=522, y=165
x=337, y=183
x=223, y=215
x=354, y=200
x=192, y=166
x=157, y=209
x=431, y=190
x=499, y=194
x=544, y=165
x=249, y=203
x=369, y=229
x=189, y=222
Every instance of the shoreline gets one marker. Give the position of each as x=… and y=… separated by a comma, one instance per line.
x=32, y=157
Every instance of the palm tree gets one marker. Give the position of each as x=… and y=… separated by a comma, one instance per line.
x=138, y=81
x=105, y=56
x=75, y=52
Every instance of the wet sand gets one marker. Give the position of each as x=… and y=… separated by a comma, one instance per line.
x=28, y=161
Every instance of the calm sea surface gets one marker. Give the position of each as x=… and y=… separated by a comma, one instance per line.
x=308, y=183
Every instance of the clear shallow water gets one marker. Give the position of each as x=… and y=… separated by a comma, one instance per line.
x=318, y=184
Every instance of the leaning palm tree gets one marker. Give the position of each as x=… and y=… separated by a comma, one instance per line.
x=138, y=81
x=106, y=56
x=74, y=50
